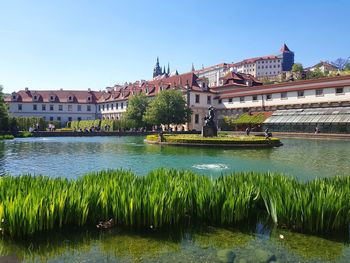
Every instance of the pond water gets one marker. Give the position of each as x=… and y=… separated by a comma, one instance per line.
x=205, y=245
x=74, y=156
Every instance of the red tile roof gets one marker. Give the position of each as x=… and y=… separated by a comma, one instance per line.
x=329, y=82
x=253, y=60
x=284, y=48
x=60, y=96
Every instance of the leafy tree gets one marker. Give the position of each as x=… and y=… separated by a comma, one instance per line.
x=168, y=107
x=136, y=109
x=298, y=68
x=3, y=112
x=347, y=66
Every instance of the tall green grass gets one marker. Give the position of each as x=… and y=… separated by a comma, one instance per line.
x=172, y=198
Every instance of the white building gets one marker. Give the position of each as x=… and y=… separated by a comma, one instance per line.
x=59, y=105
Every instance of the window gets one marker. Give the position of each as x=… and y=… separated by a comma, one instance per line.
x=209, y=100
x=255, y=98
x=241, y=99
x=268, y=96
x=220, y=101
x=99, y=107
x=88, y=107
x=43, y=107
x=89, y=98
x=70, y=107
x=196, y=118
x=51, y=107
x=35, y=97
x=52, y=98
x=107, y=106
x=230, y=100
x=69, y=118
x=70, y=98
x=283, y=95
x=19, y=106
x=339, y=90
x=60, y=107
x=116, y=105
x=34, y=107
x=58, y=118
x=112, y=105
x=122, y=105
x=300, y=93
x=103, y=107
x=79, y=118
x=319, y=92
x=51, y=118
x=79, y=107
x=197, y=98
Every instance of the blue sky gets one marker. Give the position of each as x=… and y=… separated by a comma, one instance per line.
x=76, y=44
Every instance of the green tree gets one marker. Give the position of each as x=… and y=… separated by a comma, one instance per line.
x=347, y=66
x=3, y=112
x=136, y=109
x=168, y=107
x=297, y=68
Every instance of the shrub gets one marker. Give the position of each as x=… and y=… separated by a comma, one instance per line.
x=6, y=137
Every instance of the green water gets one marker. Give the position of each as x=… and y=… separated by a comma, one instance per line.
x=74, y=156
x=206, y=245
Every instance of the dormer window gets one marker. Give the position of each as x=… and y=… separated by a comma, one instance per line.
x=52, y=98
x=70, y=98
x=35, y=97
x=89, y=98
x=14, y=96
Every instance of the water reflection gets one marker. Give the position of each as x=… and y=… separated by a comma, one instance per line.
x=2, y=158
x=206, y=245
x=74, y=156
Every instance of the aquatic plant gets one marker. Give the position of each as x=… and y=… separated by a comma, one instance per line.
x=6, y=137
x=198, y=139
x=172, y=198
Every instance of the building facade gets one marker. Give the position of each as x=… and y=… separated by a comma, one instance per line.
x=238, y=93
x=267, y=66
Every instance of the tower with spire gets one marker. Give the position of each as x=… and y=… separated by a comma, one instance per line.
x=157, y=71
x=287, y=58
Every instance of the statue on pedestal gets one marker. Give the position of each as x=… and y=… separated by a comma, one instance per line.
x=209, y=130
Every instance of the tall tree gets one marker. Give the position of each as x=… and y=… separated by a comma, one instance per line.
x=136, y=109
x=3, y=112
x=297, y=68
x=168, y=107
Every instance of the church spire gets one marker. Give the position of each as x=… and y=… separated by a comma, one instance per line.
x=192, y=67
x=157, y=69
x=168, y=72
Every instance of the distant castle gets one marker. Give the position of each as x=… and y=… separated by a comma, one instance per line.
x=158, y=72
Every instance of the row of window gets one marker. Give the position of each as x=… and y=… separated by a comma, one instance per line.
x=52, y=107
x=111, y=106
x=318, y=92
x=274, y=66
x=198, y=99
x=52, y=98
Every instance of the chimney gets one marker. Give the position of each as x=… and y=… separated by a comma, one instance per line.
x=26, y=89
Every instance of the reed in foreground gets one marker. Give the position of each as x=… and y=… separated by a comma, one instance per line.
x=172, y=198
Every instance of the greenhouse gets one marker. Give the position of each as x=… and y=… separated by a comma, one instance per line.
x=327, y=120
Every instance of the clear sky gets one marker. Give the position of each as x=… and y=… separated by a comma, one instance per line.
x=81, y=44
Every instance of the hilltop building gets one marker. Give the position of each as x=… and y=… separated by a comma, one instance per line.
x=267, y=66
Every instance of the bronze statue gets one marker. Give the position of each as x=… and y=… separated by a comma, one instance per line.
x=209, y=119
